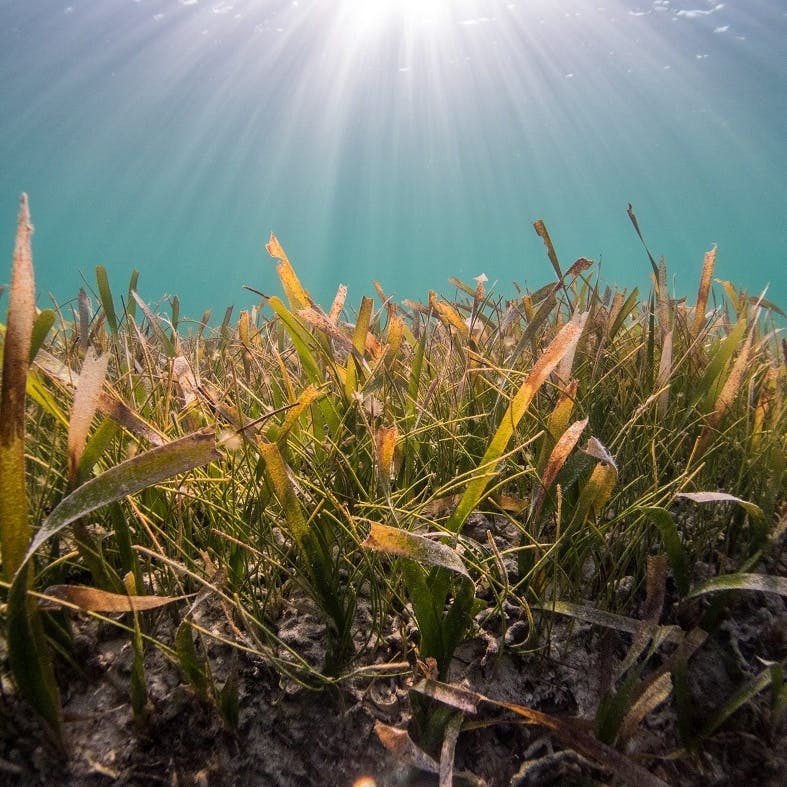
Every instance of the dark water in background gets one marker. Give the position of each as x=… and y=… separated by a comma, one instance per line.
x=405, y=142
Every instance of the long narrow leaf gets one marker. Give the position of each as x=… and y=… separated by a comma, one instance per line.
x=722, y=497
x=301, y=339
x=127, y=478
x=707, y=388
x=673, y=546
x=192, y=666
x=95, y=600
x=28, y=654
x=728, y=393
x=28, y=651
x=166, y=343
x=739, y=698
x=138, y=689
x=762, y=583
x=27, y=645
x=542, y=232
x=86, y=398
x=41, y=327
x=308, y=396
x=635, y=223
x=557, y=458
x=704, y=289
x=610, y=620
x=565, y=340
x=394, y=541
x=14, y=524
x=655, y=693
x=107, y=403
x=297, y=296
x=569, y=733
x=282, y=486
x=385, y=444
x=131, y=304
x=42, y=395
x=105, y=296
x=354, y=378
x=449, y=316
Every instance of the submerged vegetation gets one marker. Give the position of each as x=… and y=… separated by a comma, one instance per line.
x=415, y=475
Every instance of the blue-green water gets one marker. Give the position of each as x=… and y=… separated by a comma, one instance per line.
x=400, y=141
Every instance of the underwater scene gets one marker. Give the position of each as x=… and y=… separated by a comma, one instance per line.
x=400, y=394
x=401, y=142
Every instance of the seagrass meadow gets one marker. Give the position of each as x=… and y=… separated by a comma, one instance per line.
x=389, y=506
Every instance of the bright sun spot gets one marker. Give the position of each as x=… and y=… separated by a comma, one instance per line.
x=370, y=16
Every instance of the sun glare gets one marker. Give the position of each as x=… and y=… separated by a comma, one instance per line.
x=371, y=16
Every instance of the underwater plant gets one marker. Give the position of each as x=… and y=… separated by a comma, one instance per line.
x=417, y=475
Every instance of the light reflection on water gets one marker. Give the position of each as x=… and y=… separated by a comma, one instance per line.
x=405, y=142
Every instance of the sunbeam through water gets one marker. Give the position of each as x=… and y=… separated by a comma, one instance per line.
x=403, y=142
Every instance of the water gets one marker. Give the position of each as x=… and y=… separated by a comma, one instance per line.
x=400, y=141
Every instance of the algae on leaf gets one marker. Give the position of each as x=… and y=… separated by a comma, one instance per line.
x=14, y=524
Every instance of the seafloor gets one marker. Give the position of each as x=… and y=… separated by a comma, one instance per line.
x=287, y=735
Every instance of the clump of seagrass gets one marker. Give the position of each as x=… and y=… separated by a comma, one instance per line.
x=328, y=461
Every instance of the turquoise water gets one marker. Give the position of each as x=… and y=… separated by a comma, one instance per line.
x=399, y=141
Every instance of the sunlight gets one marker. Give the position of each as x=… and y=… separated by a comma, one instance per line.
x=371, y=16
